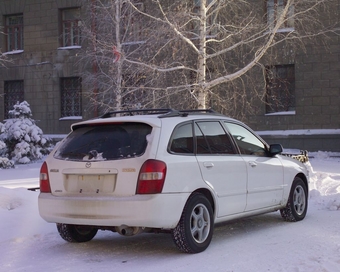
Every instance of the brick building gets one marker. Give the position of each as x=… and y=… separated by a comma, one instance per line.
x=311, y=119
x=42, y=43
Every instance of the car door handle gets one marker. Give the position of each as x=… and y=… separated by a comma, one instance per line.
x=252, y=164
x=208, y=165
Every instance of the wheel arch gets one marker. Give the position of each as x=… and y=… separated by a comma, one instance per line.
x=209, y=196
x=304, y=179
x=194, y=231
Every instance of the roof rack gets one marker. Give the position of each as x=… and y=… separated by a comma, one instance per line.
x=185, y=113
x=163, y=112
x=135, y=112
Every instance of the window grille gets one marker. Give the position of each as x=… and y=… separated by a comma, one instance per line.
x=133, y=88
x=280, y=84
x=211, y=18
x=14, y=92
x=14, y=31
x=71, y=102
x=132, y=22
x=274, y=11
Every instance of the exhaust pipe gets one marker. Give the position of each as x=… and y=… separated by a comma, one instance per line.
x=129, y=231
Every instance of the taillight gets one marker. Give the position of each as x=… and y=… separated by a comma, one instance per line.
x=151, y=177
x=44, y=179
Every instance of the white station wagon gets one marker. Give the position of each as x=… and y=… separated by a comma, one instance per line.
x=166, y=171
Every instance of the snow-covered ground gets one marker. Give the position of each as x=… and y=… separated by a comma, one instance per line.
x=262, y=243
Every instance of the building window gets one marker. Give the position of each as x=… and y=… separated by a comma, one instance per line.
x=131, y=22
x=70, y=88
x=70, y=27
x=280, y=84
x=14, y=29
x=211, y=18
x=133, y=88
x=13, y=93
x=274, y=11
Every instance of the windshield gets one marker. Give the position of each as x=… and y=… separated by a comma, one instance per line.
x=105, y=142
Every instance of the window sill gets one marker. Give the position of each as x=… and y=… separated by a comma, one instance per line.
x=206, y=36
x=287, y=29
x=281, y=113
x=282, y=30
x=69, y=47
x=67, y=118
x=133, y=43
x=13, y=52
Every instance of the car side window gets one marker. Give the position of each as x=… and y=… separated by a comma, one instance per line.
x=182, y=140
x=211, y=138
x=247, y=142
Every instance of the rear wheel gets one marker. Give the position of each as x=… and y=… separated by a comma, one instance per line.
x=76, y=234
x=297, y=204
x=194, y=231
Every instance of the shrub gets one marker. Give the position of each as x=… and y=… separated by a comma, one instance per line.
x=23, y=139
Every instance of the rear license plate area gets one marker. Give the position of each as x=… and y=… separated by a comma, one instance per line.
x=90, y=183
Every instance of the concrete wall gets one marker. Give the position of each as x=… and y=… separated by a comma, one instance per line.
x=315, y=142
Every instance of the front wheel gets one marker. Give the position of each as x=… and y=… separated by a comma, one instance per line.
x=297, y=204
x=76, y=234
x=194, y=231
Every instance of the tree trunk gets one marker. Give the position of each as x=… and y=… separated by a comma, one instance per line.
x=119, y=63
x=201, y=69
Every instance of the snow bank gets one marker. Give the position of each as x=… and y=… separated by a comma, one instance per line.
x=325, y=184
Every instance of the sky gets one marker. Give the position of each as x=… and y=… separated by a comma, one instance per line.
x=260, y=243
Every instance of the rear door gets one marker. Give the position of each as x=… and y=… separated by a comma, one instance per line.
x=265, y=173
x=100, y=159
x=221, y=167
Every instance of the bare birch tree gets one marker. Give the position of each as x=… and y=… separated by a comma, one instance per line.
x=3, y=58
x=108, y=30
x=195, y=52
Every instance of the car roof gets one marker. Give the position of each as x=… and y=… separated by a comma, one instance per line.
x=155, y=117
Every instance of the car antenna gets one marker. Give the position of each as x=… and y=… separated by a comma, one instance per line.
x=128, y=109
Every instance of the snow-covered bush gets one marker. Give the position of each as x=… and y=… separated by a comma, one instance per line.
x=3, y=148
x=2, y=145
x=23, y=139
x=2, y=129
x=6, y=163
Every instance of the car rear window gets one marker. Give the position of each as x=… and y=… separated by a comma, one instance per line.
x=105, y=142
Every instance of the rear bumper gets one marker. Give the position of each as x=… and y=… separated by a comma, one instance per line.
x=152, y=211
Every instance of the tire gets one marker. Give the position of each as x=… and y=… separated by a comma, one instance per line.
x=297, y=204
x=194, y=230
x=76, y=234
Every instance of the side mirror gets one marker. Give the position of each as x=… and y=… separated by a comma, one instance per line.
x=275, y=149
